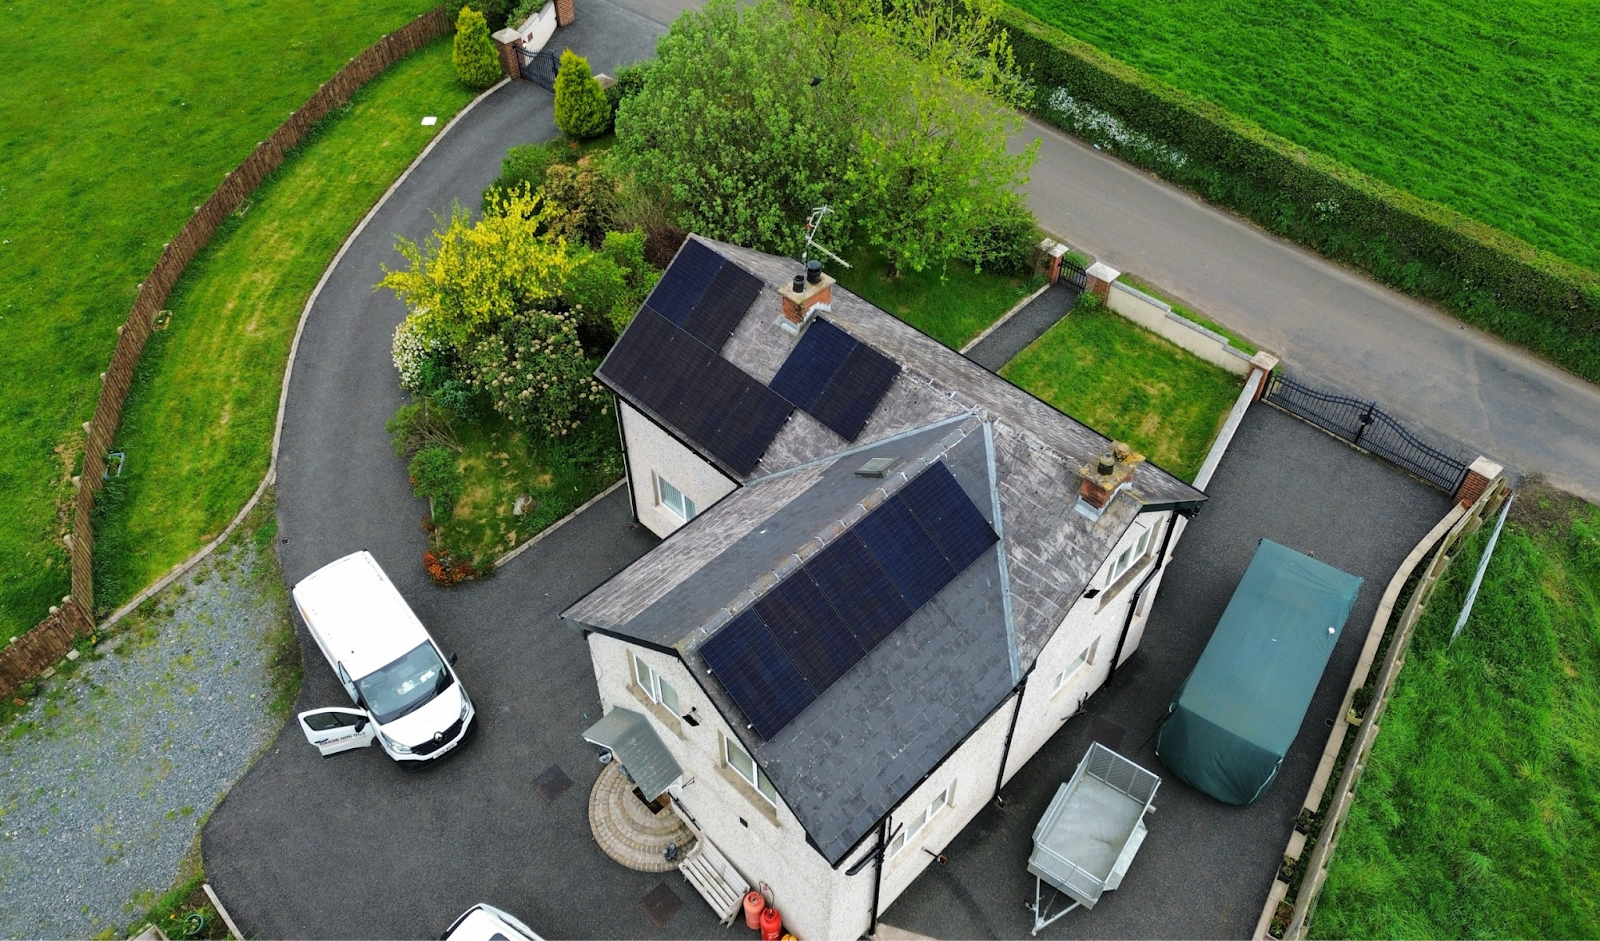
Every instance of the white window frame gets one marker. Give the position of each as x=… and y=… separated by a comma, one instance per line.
x=675, y=500
x=1130, y=556
x=915, y=825
x=762, y=784
x=657, y=689
x=1083, y=661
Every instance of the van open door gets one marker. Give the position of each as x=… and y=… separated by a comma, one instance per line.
x=335, y=729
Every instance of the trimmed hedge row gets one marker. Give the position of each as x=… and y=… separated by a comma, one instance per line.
x=1485, y=276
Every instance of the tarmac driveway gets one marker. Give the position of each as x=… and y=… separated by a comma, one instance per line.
x=1206, y=867
x=351, y=846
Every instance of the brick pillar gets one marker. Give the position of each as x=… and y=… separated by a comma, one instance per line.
x=1479, y=476
x=507, y=42
x=564, y=13
x=1100, y=277
x=1264, y=363
x=1052, y=252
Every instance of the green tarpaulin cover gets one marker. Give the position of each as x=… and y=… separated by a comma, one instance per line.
x=1237, y=713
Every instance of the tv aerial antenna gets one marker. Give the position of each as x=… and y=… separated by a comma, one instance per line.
x=812, y=225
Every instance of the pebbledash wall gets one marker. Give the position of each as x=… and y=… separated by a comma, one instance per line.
x=31, y=653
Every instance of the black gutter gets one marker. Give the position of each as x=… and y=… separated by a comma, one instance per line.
x=1005, y=753
x=1138, y=593
x=627, y=466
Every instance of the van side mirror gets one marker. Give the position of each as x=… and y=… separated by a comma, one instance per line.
x=361, y=723
x=454, y=657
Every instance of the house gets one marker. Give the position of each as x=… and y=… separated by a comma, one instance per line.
x=887, y=577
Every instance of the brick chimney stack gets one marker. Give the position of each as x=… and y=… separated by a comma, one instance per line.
x=1104, y=476
x=807, y=292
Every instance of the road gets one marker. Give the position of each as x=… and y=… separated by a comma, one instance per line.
x=1421, y=364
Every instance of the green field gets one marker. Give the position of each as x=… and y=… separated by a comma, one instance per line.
x=197, y=427
x=1479, y=812
x=1130, y=385
x=1492, y=109
x=106, y=145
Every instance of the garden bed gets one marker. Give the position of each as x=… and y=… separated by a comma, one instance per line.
x=1130, y=385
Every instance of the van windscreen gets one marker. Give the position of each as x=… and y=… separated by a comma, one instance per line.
x=405, y=685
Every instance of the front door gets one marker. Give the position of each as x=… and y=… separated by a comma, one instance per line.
x=336, y=729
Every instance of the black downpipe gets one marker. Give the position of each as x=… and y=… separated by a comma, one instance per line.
x=1138, y=593
x=627, y=467
x=877, y=872
x=1005, y=753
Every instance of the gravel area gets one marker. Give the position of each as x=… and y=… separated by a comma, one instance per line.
x=107, y=776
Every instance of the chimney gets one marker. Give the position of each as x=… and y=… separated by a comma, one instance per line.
x=810, y=291
x=1104, y=476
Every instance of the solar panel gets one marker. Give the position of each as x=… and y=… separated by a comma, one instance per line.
x=675, y=368
x=809, y=630
x=714, y=396
x=906, y=553
x=722, y=305
x=629, y=361
x=859, y=590
x=684, y=281
x=857, y=388
x=757, y=674
x=948, y=516
x=749, y=428
x=812, y=363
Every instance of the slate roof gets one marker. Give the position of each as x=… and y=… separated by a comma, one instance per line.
x=852, y=755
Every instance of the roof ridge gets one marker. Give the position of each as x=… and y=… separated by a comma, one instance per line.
x=894, y=483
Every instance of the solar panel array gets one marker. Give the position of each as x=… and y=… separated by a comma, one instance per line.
x=688, y=385
x=835, y=378
x=704, y=293
x=797, y=640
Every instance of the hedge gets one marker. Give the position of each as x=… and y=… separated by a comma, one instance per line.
x=1485, y=276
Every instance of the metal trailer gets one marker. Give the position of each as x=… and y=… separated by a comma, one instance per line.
x=1088, y=837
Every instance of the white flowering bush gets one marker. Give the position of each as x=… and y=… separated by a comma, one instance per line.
x=413, y=352
x=1097, y=126
x=534, y=372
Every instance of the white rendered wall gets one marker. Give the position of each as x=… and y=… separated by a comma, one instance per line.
x=537, y=29
x=770, y=844
x=1092, y=621
x=653, y=453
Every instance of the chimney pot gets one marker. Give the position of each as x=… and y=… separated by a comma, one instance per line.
x=813, y=271
x=799, y=284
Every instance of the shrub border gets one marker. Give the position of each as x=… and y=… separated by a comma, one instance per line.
x=1481, y=274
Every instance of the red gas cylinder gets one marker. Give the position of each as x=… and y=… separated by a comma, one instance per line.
x=753, y=904
x=771, y=924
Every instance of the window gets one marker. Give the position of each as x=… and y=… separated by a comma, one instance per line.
x=1082, y=660
x=1133, y=553
x=673, y=499
x=912, y=827
x=740, y=761
x=658, y=689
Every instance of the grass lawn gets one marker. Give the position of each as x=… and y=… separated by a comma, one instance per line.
x=1479, y=812
x=500, y=463
x=1130, y=385
x=1486, y=108
x=952, y=311
x=197, y=428
x=103, y=154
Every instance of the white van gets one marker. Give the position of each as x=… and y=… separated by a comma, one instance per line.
x=408, y=696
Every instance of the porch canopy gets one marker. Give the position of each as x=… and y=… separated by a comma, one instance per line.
x=634, y=743
x=1236, y=715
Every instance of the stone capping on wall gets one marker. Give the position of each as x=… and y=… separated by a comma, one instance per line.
x=1459, y=523
x=235, y=188
x=1158, y=317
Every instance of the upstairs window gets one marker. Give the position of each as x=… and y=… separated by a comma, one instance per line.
x=1132, y=553
x=910, y=829
x=673, y=499
x=1082, y=661
x=745, y=767
x=658, y=689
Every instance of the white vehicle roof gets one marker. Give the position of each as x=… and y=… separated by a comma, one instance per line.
x=484, y=922
x=359, y=614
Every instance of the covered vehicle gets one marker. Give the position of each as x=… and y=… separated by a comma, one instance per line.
x=1238, y=712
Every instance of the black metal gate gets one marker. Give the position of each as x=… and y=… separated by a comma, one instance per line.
x=1073, y=276
x=539, y=66
x=1369, y=428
